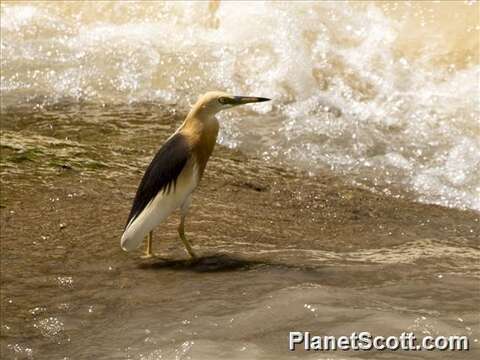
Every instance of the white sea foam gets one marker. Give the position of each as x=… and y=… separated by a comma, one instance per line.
x=384, y=94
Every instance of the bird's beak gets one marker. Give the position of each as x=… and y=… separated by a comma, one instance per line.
x=240, y=100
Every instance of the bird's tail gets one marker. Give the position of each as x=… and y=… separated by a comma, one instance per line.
x=132, y=237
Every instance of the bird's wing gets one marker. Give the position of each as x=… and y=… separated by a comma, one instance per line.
x=162, y=173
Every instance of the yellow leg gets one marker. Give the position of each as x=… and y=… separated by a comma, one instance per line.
x=181, y=232
x=148, y=248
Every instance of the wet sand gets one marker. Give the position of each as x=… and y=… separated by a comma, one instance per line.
x=281, y=250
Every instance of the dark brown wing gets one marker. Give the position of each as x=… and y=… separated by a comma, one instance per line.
x=162, y=173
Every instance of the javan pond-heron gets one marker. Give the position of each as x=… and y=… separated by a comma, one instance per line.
x=176, y=170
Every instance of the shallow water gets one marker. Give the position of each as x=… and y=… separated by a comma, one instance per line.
x=380, y=95
x=282, y=252
x=383, y=93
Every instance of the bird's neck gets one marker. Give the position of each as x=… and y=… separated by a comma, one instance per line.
x=200, y=127
x=201, y=133
x=201, y=121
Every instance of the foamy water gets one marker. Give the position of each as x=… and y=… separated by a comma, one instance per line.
x=384, y=93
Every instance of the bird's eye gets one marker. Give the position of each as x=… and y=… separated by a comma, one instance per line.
x=223, y=100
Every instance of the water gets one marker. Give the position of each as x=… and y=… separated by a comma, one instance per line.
x=280, y=252
x=378, y=102
x=384, y=93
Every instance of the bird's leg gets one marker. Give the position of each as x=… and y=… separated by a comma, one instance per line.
x=148, y=248
x=181, y=227
x=181, y=232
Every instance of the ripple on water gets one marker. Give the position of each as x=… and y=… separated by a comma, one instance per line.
x=65, y=281
x=50, y=327
x=21, y=350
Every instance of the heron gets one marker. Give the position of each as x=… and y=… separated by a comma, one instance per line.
x=176, y=171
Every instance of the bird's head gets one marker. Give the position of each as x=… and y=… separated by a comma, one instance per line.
x=215, y=101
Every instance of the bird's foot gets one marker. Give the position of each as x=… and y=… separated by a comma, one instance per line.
x=149, y=255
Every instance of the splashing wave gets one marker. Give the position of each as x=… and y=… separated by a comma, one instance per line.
x=383, y=93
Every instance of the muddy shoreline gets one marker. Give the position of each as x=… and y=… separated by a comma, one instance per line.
x=68, y=179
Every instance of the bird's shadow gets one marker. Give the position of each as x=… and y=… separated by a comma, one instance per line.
x=211, y=263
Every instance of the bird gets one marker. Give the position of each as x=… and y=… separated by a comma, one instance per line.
x=176, y=170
